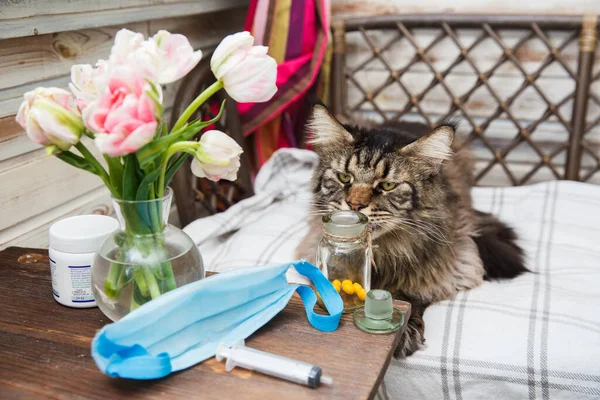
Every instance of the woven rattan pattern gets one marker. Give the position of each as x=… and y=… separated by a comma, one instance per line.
x=491, y=31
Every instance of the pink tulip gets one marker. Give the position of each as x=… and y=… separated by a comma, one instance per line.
x=126, y=115
x=163, y=58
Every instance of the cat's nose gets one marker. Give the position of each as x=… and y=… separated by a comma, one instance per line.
x=359, y=196
x=357, y=206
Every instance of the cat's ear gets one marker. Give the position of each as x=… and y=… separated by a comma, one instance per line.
x=435, y=147
x=325, y=130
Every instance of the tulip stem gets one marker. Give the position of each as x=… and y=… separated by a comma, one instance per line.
x=101, y=172
x=186, y=147
x=198, y=101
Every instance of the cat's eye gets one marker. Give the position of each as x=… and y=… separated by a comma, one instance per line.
x=387, y=186
x=344, y=178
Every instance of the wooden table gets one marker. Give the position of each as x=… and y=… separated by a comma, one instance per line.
x=45, y=350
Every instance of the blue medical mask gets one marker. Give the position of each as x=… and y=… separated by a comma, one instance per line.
x=185, y=326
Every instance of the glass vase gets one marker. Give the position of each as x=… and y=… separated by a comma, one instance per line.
x=143, y=259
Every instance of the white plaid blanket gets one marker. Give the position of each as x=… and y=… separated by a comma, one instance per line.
x=535, y=337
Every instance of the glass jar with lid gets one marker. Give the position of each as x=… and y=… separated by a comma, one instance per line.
x=344, y=256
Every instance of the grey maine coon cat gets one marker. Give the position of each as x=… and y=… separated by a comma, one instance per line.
x=414, y=185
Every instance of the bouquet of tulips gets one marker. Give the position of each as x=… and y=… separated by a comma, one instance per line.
x=119, y=105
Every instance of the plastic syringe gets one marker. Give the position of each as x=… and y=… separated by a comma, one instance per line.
x=300, y=372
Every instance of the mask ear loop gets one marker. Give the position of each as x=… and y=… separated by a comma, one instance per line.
x=331, y=298
x=132, y=362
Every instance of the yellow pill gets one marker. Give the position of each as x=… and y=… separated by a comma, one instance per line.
x=357, y=287
x=348, y=288
x=362, y=294
x=336, y=282
x=337, y=288
x=346, y=282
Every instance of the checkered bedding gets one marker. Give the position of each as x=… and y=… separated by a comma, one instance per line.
x=535, y=337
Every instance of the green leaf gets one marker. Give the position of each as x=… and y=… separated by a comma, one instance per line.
x=130, y=178
x=131, y=183
x=153, y=150
x=174, y=167
x=146, y=185
x=76, y=161
x=146, y=209
x=188, y=136
x=115, y=172
x=156, y=148
x=89, y=134
x=161, y=130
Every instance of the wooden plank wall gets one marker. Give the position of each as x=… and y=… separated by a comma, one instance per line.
x=39, y=41
x=554, y=82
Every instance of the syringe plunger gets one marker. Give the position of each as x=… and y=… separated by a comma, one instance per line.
x=300, y=372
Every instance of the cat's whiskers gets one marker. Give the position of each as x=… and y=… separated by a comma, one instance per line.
x=320, y=208
x=430, y=230
x=433, y=232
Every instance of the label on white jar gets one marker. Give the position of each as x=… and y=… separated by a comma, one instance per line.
x=72, y=281
x=81, y=283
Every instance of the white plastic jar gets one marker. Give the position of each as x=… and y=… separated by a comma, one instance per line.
x=73, y=242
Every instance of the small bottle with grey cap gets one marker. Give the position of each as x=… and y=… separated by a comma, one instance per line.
x=73, y=243
x=344, y=256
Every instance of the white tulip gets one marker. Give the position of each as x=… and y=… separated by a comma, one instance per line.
x=88, y=83
x=248, y=73
x=222, y=61
x=217, y=157
x=174, y=56
x=51, y=118
x=126, y=42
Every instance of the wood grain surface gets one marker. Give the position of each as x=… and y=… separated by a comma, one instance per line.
x=45, y=350
x=36, y=17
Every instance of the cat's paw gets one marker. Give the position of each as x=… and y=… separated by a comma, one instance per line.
x=412, y=339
